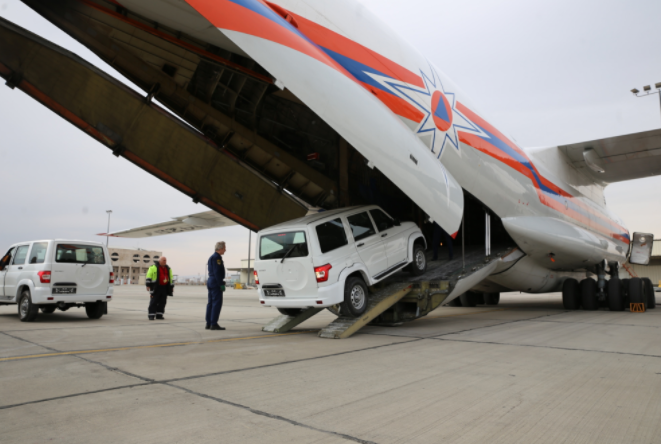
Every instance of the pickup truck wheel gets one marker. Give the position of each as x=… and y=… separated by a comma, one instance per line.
x=355, y=297
x=48, y=309
x=27, y=311
x=419, y=264
x=94, y=310
x=290, y=311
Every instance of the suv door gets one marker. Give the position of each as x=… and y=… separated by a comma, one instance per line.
x=368, y=243
x=81, y=267
x=4, y=267
x=393, y=241
x=15, y=270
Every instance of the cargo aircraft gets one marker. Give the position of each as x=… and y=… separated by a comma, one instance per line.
x=261, y=110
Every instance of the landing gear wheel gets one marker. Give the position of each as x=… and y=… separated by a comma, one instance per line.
x=491, y=298
x=468, y=299
x=355, y=298
x=649, y=290
x=290, y=311
x=47, y=309
x=636, y=291
x=94, y=310
x=419, y=264
x=625, y=292
x=589, y=294
x=571, y=295
x=27, y=311
x=615, y=295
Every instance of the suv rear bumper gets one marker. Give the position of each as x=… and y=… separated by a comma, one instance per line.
x=325, y=297
x=44, y=296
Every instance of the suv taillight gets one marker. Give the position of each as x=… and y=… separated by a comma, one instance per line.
x=322, y=272
x=44, y=277
x=256, y=277
x=112, y=278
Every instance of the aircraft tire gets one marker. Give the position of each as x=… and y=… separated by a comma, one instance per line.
x=625, y=291
x=615, y=295
x=649, y=293
x=468, y=299
x=589, y=294
x=482, y=298
x=290, y=311
x=456, y=302
x=636, y=291
x=492, y=298
x=571, y=295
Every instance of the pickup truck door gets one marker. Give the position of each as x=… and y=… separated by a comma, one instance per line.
x=4, y=266
x=14, y=271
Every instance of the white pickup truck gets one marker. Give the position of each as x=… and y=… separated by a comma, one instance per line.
x=56, y=274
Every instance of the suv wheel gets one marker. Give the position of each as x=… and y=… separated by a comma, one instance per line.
x=419, y=264
x=94, y=310
x=355, y=297
x=27, y=311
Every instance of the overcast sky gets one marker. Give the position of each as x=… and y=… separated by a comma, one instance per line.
x=546, y=72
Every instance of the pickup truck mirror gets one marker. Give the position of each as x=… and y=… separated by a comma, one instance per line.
x=396, y=222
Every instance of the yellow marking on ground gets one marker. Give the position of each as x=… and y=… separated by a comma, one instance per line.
x=136, y=347
x=464, y=314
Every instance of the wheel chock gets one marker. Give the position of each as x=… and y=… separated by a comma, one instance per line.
x=637, y=307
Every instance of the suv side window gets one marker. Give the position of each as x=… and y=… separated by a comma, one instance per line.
x=331, y=235
x=361, y=226
x=38, y=253
x=381, y=219
x=21, y=254
x=6, y=259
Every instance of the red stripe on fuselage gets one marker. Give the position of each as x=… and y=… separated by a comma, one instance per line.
x=396, y=104
x=338, y=43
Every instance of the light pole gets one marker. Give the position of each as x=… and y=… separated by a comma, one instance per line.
x=108, y=231
x=648, y=91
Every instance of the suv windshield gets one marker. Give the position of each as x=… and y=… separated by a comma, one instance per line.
x=275, y=246
x=79, y=254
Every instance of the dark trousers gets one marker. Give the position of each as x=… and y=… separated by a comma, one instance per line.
x=158, y=301
x=214, y=304
x=439, y=233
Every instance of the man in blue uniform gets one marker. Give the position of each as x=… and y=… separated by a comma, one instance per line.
x=216, y=287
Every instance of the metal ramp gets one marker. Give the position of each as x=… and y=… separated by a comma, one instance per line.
x=284, y=323
x=383, y=299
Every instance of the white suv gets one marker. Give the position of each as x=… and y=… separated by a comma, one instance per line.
x=52, y=274
x=330, y=258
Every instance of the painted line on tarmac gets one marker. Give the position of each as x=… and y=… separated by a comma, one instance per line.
x=137, y=347
x=465, y=314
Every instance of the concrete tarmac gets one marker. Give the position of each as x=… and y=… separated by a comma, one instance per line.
x=526, y=371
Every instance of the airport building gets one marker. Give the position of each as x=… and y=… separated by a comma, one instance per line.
x=130, y=265
x=245, y=272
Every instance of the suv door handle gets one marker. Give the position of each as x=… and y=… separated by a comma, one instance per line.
x=20, y=268
x=384, y=234
x=360, y=245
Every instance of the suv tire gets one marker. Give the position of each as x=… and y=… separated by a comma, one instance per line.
x=48, y=309
x=290, y=311
x=419, y=264
x=355, y=297
x=94, y=310
x=27, y=311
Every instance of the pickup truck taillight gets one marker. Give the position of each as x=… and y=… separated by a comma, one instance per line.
x=322, y=272
x=44, y=277
x=112, y=278
x=256, y=277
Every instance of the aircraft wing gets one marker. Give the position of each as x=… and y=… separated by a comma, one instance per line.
x=616, y=159
x=183, y=224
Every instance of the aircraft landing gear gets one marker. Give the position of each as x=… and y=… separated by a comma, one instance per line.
x=571, y=295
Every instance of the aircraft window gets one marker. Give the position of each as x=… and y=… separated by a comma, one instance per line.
x=331, y=235
x=38, y=253
x=361, y=226
x=382, y=221
x=21, y=254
